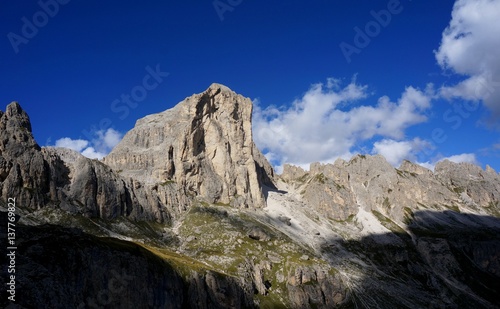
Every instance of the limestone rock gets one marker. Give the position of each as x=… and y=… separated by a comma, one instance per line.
x=291, y=172
x=483, y=187
x=257, y=233
x=204, y=145
x=313, y=286
x=258, y=277
x=286, y=220
x=64, y=179
x=413, y=168
x=15, y=132
x=23, y=170
x=370, y=182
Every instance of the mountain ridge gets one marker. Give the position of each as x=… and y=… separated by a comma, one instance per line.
x=190, y=187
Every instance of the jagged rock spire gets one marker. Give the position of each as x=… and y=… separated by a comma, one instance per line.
x=15, y=131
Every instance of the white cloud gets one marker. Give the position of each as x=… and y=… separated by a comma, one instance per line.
x=464, y=157
x=106, y=140
x=323, y=126
x=75, y=144
x=470, y=46
x=397, y=151
x=99, y=147
x=91, y=153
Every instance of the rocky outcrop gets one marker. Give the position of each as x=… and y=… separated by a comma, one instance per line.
x=203, y=147
x=23, y=170
x=315, y=287
x=370, y=182
x=476, y=187
x=63, y=179
x=93, y=189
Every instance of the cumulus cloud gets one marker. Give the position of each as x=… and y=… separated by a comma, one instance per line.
x=107, y=140
x=91, y=153
x=75, y=144
x=397, y=151
x=469, y=47
x=97, y=148
x=326, y=123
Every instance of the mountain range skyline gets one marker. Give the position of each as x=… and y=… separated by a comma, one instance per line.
x=404, y=79
x=188, y=208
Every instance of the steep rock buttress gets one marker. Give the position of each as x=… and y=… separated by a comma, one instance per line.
x=202, y=147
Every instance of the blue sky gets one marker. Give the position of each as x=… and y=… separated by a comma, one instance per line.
x=414, y=80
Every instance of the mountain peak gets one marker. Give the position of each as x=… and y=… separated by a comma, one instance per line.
x=15, y=130
x=203, y=146
x=18, y=118
x=14, y=108
x=219, y=87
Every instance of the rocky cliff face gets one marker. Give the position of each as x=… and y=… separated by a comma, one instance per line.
x=203, y=147
x=22, y=166
x=186, y=212
x=371, y=183
x=63, y=179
